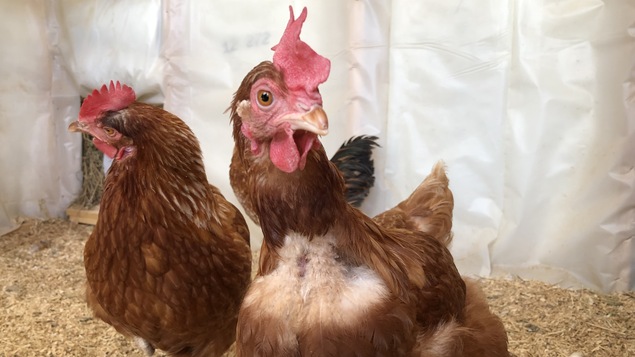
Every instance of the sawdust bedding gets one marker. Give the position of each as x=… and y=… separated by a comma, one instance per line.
x=43, y=312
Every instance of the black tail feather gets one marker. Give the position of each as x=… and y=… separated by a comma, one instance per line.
x=354, y=160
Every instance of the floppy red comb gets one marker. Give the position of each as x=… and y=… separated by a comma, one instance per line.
x=302, y=67
x=113, y=98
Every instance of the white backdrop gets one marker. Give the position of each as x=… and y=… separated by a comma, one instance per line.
x=529, y=102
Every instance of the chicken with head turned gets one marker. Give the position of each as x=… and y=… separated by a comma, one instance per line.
x=168, y=261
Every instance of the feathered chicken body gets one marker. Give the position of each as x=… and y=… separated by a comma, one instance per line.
x=331, y=281
x=168, y=261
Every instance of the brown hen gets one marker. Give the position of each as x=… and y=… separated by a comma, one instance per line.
x=331, y=281
x=168, y=261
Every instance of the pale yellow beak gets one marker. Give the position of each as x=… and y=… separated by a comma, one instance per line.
x=76, y=126
x=314, y=121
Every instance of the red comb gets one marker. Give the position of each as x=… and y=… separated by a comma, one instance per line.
x=115, y=97
x=302, y=67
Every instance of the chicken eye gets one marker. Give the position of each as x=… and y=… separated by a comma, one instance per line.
x=109, y=131
x=265, y=98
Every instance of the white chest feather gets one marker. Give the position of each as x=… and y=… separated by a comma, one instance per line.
x=311, y=285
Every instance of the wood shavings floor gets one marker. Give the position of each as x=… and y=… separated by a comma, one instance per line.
x=44, y=314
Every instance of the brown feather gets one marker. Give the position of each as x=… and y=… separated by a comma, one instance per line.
x=427, y=209
x=417, y=269
x=169, y=259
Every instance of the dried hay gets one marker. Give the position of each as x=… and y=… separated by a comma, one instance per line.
x=544, y=320
x=92, y=173
x=42, y=284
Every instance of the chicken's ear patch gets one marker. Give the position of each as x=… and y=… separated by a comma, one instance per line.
x=301, y=66
x=108, y=98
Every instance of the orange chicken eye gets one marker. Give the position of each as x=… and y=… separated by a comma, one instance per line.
x=265, y=98
x=109, y=131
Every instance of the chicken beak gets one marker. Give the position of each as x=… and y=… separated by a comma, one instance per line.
x=314, y=121
x=75, y=127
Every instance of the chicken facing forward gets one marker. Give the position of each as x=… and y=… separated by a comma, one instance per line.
x=332, y=281
x=168, y=261
x=353, y=159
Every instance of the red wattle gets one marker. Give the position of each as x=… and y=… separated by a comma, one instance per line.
x=283, y=151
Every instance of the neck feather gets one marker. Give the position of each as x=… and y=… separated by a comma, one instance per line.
x=308, y=201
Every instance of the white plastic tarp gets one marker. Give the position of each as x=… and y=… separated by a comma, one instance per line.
x=39, y=160
x=529, y=103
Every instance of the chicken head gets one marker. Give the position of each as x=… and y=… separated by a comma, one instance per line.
x=285, y=109
x=92, y=119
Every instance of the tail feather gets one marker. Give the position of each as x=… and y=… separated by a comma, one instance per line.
x=430, y=205
x=354, y=161
x=428, y=208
